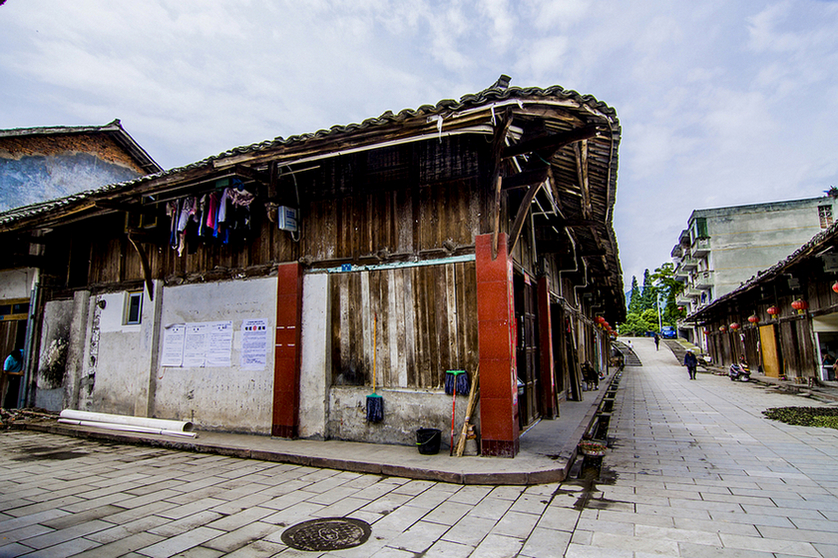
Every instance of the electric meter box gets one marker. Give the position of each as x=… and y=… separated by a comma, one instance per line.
x=286, y=219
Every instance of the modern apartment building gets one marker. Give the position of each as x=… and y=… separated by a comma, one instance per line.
x=724, y=247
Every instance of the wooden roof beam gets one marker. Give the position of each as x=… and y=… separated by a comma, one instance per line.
x=498, y=143
x=550, y=144
x=581, y=150
x=525, y=179
x=520, y=218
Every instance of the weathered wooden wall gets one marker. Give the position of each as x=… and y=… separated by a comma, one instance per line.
x=421, y=200
x=425, y=323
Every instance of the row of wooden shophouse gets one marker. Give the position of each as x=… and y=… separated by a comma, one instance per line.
x=784, y=321
x=273, y=288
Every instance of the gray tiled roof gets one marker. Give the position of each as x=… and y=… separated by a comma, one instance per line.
x=585, y=104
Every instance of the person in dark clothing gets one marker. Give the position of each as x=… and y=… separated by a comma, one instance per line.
x=657, y=342
x=10, y=380
x=691, y=363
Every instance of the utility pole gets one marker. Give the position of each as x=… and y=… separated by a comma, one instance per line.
x=660, y=318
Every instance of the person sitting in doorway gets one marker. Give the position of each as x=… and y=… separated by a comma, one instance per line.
x=12, y=370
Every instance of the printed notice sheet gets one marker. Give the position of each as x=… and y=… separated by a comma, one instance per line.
x=196, y=345
x=254, y=344
x=173, y=338
x=220, y=349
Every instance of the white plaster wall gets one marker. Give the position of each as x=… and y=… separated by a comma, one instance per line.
x=219, y=398
x=16, y=283
x=316, y=365
x=115, y=356
x=405, y=411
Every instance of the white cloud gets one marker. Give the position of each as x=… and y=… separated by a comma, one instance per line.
x=720, y=102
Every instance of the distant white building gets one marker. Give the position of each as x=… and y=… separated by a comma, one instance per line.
x=724, y=247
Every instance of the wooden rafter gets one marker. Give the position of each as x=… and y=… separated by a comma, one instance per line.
x=547, y=145
x=525, y=179
x=498, y=144
x=521, y=217
x=581, y=150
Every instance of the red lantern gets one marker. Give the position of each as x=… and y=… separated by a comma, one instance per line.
x=734, y=326
x=706, y=331
x=754, y=319
x=722, y=329
x=599, y=320
x=800, y=305
x=772, y=311
x=835, y=286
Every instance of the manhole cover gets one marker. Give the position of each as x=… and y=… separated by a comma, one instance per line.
x=328, y=533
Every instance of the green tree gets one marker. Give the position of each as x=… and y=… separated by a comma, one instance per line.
x=670, y=288
x=635, y=295
x=650, y=293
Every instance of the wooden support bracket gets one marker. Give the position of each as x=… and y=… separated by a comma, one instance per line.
x=146, y=267
x=518, y=226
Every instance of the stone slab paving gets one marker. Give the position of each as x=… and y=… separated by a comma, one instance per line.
x=693, y=470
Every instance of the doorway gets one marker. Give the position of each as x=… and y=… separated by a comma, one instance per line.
x=13, y=316
x=526, y=351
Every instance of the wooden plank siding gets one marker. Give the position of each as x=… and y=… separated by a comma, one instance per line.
x=425, y=319
x=418, y=200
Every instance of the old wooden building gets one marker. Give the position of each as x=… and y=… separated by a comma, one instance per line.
x=784, y=320
x=38, y=165
x=273, y=288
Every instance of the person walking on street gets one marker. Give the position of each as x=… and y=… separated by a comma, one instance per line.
x=691, y=363
x=657, y=342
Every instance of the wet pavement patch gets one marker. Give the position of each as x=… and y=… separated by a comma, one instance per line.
x=52, y=455
x=328, y=533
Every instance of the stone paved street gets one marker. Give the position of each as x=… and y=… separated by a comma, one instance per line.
x=694, y=471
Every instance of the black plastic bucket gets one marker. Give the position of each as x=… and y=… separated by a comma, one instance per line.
x=427, y=440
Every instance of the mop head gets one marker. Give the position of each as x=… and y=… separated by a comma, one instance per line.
x=450, y=383
x=463, y=384
x=456, y=380
x=375, y=408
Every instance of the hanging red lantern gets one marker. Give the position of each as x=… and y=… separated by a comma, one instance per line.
x=835, y=286
x=734, y=326
x=680, y=308
x=599, y=320
x=772, y=311
x=706, y=331
x=754, y=319
x=722, y=329
x=800, y=305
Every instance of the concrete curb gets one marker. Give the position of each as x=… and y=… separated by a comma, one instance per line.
x=522, y=476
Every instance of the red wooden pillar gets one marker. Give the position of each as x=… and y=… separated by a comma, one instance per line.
x=496, y=337
x=549, y=403
x=286, y=402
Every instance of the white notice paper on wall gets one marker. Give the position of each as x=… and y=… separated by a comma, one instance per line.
x=254, y=344
x=220, y=349
x=195, y=347
x=173, y=337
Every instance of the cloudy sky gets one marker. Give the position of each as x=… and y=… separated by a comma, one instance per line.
x=721, y=103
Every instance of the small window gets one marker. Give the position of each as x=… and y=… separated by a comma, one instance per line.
x=825, y=216
x=134, y=308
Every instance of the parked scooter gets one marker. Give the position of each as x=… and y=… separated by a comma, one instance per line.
x=739, y=372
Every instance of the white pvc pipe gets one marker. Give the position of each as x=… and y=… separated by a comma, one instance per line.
x=126, y=427
x=142, y=422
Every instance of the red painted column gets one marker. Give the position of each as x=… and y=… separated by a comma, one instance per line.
x=289, y=299
x=496, y=336
x=549, y=403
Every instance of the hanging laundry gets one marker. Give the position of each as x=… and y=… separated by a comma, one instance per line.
x=241, y=198
x=212, y=212
x=173, y=212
